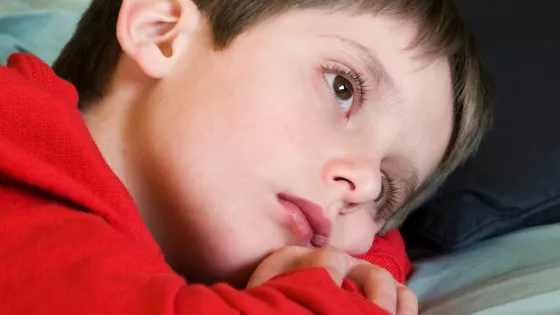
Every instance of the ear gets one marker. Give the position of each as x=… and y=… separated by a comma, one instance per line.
x=155, y=33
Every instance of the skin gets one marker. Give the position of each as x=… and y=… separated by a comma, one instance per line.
x=377, y=284
x=205, y=140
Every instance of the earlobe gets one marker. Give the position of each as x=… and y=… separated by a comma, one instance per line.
x=154, y=33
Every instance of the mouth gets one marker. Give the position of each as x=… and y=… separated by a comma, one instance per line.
x=308, y=220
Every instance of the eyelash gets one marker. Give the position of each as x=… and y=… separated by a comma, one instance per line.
x=357, y=79
x=390, y=202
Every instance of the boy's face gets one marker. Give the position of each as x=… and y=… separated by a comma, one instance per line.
x=328, y=108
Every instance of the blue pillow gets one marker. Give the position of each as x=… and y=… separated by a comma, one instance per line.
x=514, y=181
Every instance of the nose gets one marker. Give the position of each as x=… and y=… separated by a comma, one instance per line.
x=356, y=180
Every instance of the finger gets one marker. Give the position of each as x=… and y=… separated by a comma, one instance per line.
x=378, y=285
x=407, y=302
x=335, y=261
x=279, y=262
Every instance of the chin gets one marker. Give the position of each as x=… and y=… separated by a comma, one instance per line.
x=237, y=277
x=227, y=267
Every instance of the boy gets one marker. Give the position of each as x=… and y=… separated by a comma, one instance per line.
x=238, y=128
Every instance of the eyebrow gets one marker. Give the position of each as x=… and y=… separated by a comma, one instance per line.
x=408, y=174
x=374, y=66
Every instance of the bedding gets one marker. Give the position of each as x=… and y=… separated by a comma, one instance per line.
x=518, y=273
x=13, y=6
x=37, y=26
x=43, y=33
x=515, y=274
x=514, y=180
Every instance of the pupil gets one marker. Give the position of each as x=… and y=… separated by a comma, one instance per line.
x=343, y=88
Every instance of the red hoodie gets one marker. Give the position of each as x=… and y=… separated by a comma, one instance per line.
x=72, y=241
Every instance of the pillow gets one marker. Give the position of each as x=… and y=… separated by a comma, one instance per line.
x=13, y=6
x=515, y=274
x=514, y=180
x=43, y=33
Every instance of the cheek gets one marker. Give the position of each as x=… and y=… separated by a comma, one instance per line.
x=237, y=122
x=236, y=135
x=273, y=121
x=431, y=141
x=355, y=233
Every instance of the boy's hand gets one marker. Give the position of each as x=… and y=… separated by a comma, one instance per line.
x=378, y=285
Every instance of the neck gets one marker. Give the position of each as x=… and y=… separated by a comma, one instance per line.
x=109, y=122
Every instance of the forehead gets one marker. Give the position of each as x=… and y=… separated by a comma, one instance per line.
x=418, y=113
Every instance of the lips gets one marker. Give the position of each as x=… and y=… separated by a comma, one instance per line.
x=308, y=220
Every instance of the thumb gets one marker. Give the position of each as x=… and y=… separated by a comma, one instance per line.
x=276, y=264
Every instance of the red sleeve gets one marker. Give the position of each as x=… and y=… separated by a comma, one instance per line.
x=389, y=252
x=55, y=260
x=58, y=258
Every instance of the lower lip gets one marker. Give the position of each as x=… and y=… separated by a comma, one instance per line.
x=299, y=223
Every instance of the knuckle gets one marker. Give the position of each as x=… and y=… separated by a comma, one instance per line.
x=413, y=296
x=332, y=255
x=409, y=295
x=327, y=252
x=335, y=261
x=331, y=249
x=289, y=250
x=408, y=310
x=408, y=301
x=376, y=273
x=291, y=256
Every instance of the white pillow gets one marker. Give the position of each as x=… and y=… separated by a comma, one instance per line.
x=516, y=274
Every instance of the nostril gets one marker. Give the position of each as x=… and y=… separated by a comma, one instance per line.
x=350, y=184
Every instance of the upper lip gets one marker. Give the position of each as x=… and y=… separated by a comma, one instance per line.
x=315, y=215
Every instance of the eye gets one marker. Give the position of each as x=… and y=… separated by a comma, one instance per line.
x=387, y=203
x=342, y=89
x=379, y=199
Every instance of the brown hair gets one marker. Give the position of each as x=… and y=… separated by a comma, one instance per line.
x=91, y=57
